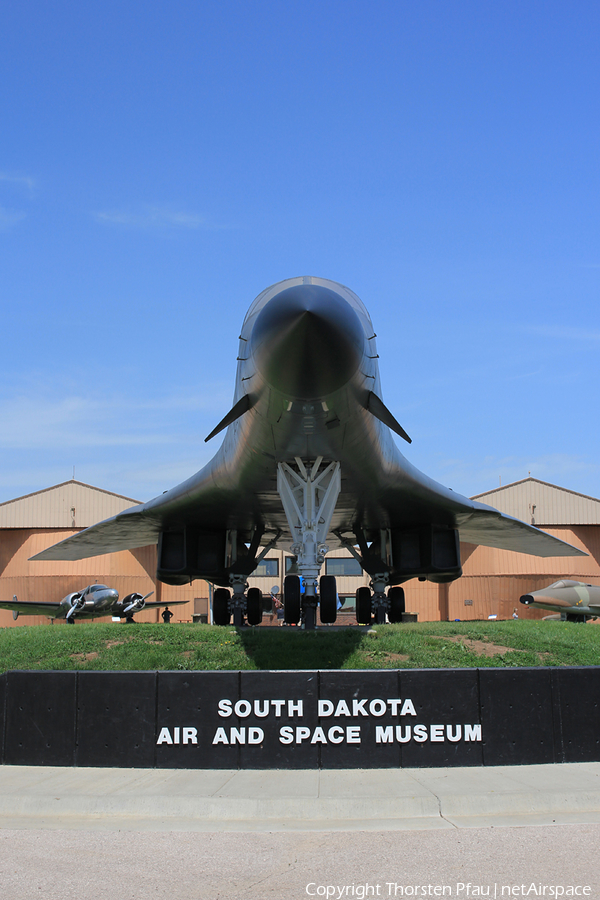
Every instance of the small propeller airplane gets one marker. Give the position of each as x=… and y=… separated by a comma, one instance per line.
x=93, y=602
x=570, y=601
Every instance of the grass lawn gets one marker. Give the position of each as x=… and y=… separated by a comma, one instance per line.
x=426, y=645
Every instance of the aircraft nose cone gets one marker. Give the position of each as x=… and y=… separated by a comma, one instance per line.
x=307, y=341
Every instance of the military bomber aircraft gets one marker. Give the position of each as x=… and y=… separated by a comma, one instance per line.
x=308, y=463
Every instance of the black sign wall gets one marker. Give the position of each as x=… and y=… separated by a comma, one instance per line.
x=291, y=720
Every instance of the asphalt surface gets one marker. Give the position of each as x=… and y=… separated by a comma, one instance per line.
x=472, y=862
x=90, y=834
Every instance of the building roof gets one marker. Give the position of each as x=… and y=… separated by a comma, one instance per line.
x=71, y=504
x=541, y=503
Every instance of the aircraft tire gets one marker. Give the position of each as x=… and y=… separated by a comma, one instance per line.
x=221, y=614
x=363, y=606
x=254, y=610
x=327, y=599
x=397, y=604
x=291, y=599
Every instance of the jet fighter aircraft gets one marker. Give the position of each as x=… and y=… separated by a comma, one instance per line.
x=571, y=601
x=94, y=601
x=308, y=463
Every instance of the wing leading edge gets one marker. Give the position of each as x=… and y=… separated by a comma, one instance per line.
x=125, y=531
x=480, y=524
x=491, y=528
x=31, y=608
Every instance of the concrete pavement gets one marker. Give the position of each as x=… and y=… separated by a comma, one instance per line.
x=298, y=800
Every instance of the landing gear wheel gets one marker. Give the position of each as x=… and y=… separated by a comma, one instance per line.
x=254, y=611
x=328, y=599
x=397, y=604
x=291, y=599
x=71, y=621
x=363, y=606
x=221, y=614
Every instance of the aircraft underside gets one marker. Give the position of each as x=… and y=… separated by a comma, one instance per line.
x=309, y=521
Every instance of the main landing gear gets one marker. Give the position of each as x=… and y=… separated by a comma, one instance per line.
x=375, y=605
x=244, y=600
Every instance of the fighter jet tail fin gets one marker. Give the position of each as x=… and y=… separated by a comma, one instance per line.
x=377, y=408
x=239, y=408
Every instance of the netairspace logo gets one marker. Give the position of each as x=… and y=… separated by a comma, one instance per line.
x=460, y=890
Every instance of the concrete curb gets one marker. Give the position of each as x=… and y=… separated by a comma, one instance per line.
x=224, y=800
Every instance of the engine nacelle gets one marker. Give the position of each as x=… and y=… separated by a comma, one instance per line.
x=430, y=552
x=74, y=603
x=133, y=603
x=78, y=601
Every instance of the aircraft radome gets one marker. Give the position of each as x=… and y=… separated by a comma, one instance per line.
x=94, y=602
x=308, y=463
x=571, y=601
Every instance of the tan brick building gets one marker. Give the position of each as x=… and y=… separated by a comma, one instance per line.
x=30, y=524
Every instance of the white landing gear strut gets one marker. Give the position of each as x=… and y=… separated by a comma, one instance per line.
x=309, y=497
x=379, y=601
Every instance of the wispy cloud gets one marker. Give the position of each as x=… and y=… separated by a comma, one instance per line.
x=18, y=180
x=152, y=217
x=10, y=217
x=132, y=445
x=568, y=333
x=474, y=476
x=36, y=417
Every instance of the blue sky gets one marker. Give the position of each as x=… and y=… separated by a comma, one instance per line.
x=162, y=163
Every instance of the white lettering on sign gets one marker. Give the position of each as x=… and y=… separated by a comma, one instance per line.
x=335, y=735
x=260, y=708
x=387, y=734
x=366, y=707
x=185, y=735
x=239, y=736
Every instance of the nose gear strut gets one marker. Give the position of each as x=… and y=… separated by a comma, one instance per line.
x=309, y=495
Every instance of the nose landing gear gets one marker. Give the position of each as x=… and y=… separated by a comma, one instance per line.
x=309, y=494
x=298, y=608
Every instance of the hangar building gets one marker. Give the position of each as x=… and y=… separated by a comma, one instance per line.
x=30, y=524
x=492, y=581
